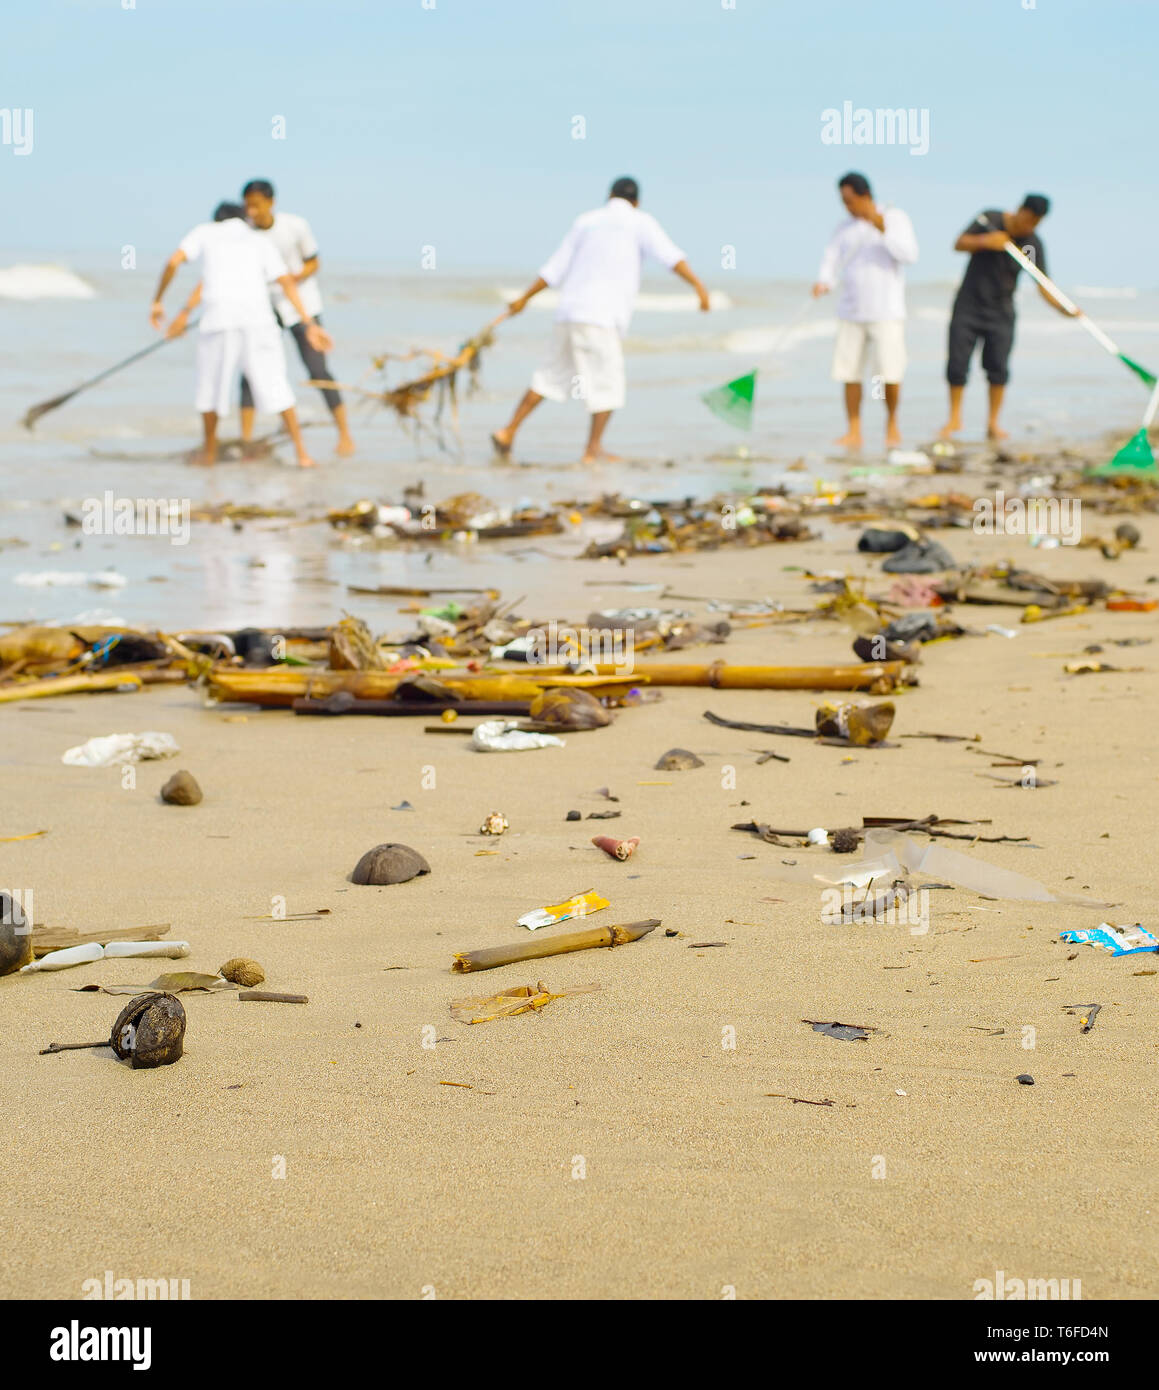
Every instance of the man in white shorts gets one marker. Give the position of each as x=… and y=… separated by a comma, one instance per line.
x=597, y=273
x=239, y=333
x=867, y=253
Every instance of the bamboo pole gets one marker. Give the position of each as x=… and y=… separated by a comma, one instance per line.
x=538, y=947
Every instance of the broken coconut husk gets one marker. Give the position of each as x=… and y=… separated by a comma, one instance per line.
x=389, y=864
x=15, y=936
x=678, y=760
x=148, y=1032
x=572, y=708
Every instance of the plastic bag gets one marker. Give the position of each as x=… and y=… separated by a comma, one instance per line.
x=113, y=749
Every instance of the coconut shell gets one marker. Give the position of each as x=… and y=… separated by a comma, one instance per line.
x=150, y=1030
x=240, y=970
x=569, y=708
x=678, y=760
x=15, y=936
x=389, y=864
x=181, y=790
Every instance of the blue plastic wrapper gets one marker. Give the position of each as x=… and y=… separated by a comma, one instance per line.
x=1120, y=941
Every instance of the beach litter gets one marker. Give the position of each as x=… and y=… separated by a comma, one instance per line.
x=495, y=823
x=389, y=864
x=112, y=750
x=15, y=936
x=181, y=790
x=242, y=971
x=581, y=905
x=505, y=736
x=616, y=849
x=843, y=1032
x=148, y=1032
x=1120, y=941
x=520, y=999
x=267, y=996
x=89, y=951
x=492, y=956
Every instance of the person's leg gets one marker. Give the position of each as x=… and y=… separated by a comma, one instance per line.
x=593, y=453
x=848, y=365
x=851, y=439
x=996, y=345
x=294, y=430
x=247, y=410
x=890, y=359
x=264, y=362
x=209, y=429
x=599, y=380
x=318, y=370
x=963, y=338
x=892, y=397
x=505, y=437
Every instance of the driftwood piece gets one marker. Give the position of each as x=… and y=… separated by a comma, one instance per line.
x=46, y=939
x=537, y=947
x=270, y=996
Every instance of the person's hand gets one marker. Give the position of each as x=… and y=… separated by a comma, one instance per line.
x=819, y=289
x=705, y=302
x=156, y=314
x=517, y=305
x=994, y=241
x=178, y=326
x=318, y=338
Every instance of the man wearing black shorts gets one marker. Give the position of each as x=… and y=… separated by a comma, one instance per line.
x=984, y=306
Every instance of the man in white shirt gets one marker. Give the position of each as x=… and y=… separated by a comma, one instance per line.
x=867, y=253
x=292, y=236
x=597, y=272
x=238, y=328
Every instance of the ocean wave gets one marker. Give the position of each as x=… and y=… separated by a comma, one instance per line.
x=647, y=302
x=43, y=282
x=755, y=342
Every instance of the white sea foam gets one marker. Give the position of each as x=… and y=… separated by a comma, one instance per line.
x=676, y=302
x=43, y=282
x=755, y=342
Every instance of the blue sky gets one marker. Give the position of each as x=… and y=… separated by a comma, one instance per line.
x=452, y=126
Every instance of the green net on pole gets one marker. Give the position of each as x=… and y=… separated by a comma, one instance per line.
x=733, y=402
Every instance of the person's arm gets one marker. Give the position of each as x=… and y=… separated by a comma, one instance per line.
x=172, y=265
x=309, y=267
x=316, y=335
x=181, y=320
x=898, y=236
x=980, y=236
x=518, y=304
x=685, y=271
x=827, y=274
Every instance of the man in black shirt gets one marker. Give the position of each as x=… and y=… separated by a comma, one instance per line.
x=984, y=306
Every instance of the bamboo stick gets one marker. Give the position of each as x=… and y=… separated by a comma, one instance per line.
x=78, y=684
x=537, y=947
x=281, y=687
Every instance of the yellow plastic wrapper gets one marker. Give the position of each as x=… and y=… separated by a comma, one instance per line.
x=521, y=999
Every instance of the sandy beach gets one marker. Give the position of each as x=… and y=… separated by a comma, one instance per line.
x=616, y=1145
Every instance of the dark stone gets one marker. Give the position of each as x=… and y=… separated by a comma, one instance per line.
x=181, y=790
x=389, y=864
x=1025, y=1079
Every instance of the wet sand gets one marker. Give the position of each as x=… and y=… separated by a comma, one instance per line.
x=610, y=1146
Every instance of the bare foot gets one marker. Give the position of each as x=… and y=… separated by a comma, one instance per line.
x=199, y=457
x=502, y=440
x=345, y=446
x=951, y=428
x=850, y=440
x=993, y=432
x=892, y=437
x=305, y=461
x=601, y=457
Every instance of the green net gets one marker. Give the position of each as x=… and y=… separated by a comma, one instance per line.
x=1136, y=453
x=733, y=402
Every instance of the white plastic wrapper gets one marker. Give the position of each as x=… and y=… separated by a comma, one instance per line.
x=93, y=950
x=112, y=750
x=505, y=736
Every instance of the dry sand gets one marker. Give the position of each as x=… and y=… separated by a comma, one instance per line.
x=611, y=1146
